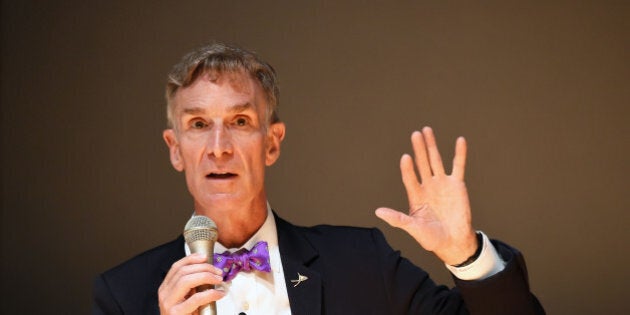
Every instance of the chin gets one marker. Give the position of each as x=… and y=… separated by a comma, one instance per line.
x=220, y=202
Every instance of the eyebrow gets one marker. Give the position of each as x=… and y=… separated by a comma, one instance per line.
x=193, y=111
x=239, y=108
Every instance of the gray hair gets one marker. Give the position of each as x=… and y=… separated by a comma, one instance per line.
x=219, y=57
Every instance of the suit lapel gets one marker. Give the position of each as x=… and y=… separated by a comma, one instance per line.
x=297, y=254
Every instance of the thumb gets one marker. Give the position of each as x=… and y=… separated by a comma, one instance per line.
x=394, y=218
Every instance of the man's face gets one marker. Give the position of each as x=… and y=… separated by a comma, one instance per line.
x=222, y=142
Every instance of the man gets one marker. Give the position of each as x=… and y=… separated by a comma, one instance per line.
x=223, y=132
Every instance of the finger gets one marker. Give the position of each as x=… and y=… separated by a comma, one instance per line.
x=421, y=158
x=410, y=180
x=198, y=299
x=198, y=269
x=394, y=218
x=180, y=269
x=180, y=288
x=188, y=260
x=434, y=154
x=194, y=280
x=459, y=161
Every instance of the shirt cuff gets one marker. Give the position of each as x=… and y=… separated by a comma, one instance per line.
x=487, y=264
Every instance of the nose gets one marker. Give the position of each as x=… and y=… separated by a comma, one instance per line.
x=219, y=142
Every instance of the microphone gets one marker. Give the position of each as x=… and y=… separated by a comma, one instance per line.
x=200, y=234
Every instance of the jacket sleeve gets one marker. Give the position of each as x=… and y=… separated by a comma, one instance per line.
x=506, y=292
x=411, y=291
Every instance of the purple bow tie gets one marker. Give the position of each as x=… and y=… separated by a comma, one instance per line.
x=243, y=260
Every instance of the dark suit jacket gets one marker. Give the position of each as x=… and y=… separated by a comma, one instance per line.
x=349, y=270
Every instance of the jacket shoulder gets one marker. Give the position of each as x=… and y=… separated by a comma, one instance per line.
x=155, y=258
x=131, y=287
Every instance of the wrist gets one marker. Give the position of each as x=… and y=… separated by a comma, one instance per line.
x=487, y=264
x=460, y=250
x=475, y=255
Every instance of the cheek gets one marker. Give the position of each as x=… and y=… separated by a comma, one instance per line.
x=254, y=152
x=191, y=150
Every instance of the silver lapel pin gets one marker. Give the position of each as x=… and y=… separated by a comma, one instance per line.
x=299, y=280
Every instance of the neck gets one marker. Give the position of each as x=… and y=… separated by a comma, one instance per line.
x=235, y=233
x=237, y=227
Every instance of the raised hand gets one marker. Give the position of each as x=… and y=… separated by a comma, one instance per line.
x=439, y=209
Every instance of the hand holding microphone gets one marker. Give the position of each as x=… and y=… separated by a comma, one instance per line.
x=188, y=285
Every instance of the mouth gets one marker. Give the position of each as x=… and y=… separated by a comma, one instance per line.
x=221, y=175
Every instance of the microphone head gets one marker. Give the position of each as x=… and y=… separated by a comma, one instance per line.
x=200, y=228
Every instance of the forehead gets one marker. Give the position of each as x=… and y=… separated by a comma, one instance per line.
x=213, y=91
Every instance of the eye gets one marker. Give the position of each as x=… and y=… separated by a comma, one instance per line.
x=241, y=121
x=198, y=124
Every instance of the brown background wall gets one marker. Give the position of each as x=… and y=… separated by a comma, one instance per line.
x=540, y=91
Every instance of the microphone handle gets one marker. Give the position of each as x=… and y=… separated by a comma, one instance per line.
x=207, y=248
x=208, y=309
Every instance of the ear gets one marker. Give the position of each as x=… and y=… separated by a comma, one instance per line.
x=173, y=147
x=275, y=135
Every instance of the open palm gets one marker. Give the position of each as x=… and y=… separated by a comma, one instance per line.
x=439, y=209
